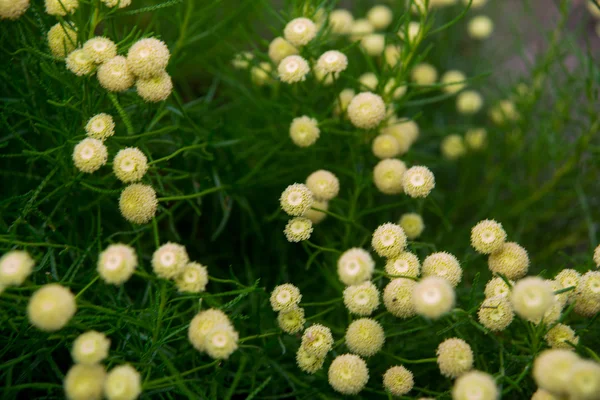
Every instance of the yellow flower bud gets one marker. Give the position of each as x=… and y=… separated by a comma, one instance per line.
x=398, y=297
x=584, y=382
x=13, y=9
x=341, y=21
x=138, y=203
x=298, y=229
x=392, y=55
x=193, y=278
x=62, y=39
x=433, y=297
x=308, y=362
x=279, y=49
x=496, y=313
x=552, y=370
x=202, y=324
x=317, y=340
x=15, y=267
x=511, y=260
x=393, y=90
x=285, y=297
x=296, y=199
x=480, y=27
x=587, y=294
x=148, y=58
x=476, y=138
x=365, y=337
x=454, y=357
x=355, y=266
x=300, y=31
x=80, y=63
x=90, y=348
x=559, y=335
x=398, y=380
x=366, y=110
x=568, y=278
x=323, y=184
x=100, y=126
x=114, y=75
x=51, y=307
x=503, y=112
x=343, y=100
x=413, y=225
x=304, y=131
x=117, y=263
x=89, y=155
x=487, y=236
x=387, y=176
x=242, y=60
x=130, y=165
x=443, y=265
x=380, y=16
x=291, y=320
x=389, y=240
x=123, y=383
x=221, y=341
x=360, y=28
x=317, y=216
x=531, y=297
x=475, y=385
x=418, y=181
x=348, y=374
x=155, y=89
x=100, y=49
x=361, y=299
x=469, y=102
x=169, y=260
x=84, y=382
x=453, y=147
x=497, y=287
x=61, y=7
x=373, y=44
x=413, y=29
x=424, y=74
x=386, y=146
x=454, y=81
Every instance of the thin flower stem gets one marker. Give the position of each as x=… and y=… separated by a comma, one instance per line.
x=309, y=243
x=322, y=303
x=406, y=361
x=181, y=150
x=242, y=340
x=87, y=286
x=194, y=195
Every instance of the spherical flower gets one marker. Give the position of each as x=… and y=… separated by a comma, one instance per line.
x=454, y=357
x=365, y=337
x=443, y=265
x=317, y=340
x=542, y=394
x=62, y=39
x=293, y=69
x=114, y=75
x=496, y=313
x=308, y=362
x=89, y=155
x=387, y=176
x=385, y=146
x=155, y=89
x=406, y=264
x=433, y=297
x=317, y=216
x=585, y=381
x=279, y=49
x=341, y=21
x=551, y=315
x=366, y=110
x=169, y=260
x=90, y=348
x=497, y=287
x=242, y=60
x=480, y=27
x=596, y=257
x=552, y=370
x=130, y=165
x=453, y=147
x=296, y=199
x=323, y=184
x=138, y=203
x=380, y=16
x=13, y=9
x=418, y=182
x=368, y=81
x=221, y=341
x=123, y=383
x=300, y=31
x=476, y=138
x=389, y=240
x=332, y=61
x=304, y=131
x=403, y=141
x=511, y=260
x=398, y=380
x=117, y=263
x=568, y=278
x=193, y=278
x=587, y=294
x=61, y=7
x=393, y=90
x=51, y=307
x=475, y=385
x=469, y=102
x=100, y=126
x=100, y=49
x=413, y=29
x=15, y=267
x=559, y=336
x=392, y=55
x=373, y=44
x=360, y=28
x=348, y=374
x=355, y=266
x=531, y=297
x=503, y=112
x=148, y=58
x=120, y=3
x=291, y=320
x=80, y=63
x=285, y=297
x=84, y=382
x=202, y=324
x=413, y=225
x=398, y=297
x=487, y=236
x=453, y=81
x=343, y=100
x=361, y=299
x=409, y=128
x=424, y=74
x=298, y=229
x=561, y=298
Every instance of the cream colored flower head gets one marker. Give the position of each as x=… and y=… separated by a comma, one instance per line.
x=584, y=382
x=193, y=278
x=386, y=146
x=361, y=299
x=406, y=264
x=100, y=126
x=365, y=337
x=80, y=62
x=169, y=260
x=496, y=313
x=587, y=294
x=117, y=263
x=332, y=61
x=453, y=81
x=15, y=267
x=380, y=17
x=90, y=348
x=114, y=3
x=398, y=380
x=51, y=307
x=148, y=58
x=413, y=30
x=389, y=240
x=203, y=323
x=476, y=138
x=531, y=297
x=343, y=100
x=62, y=39
x=348, y=374
x=568, y=278
x=130, y=165
x=418, y=181
x=497, y=287
x=279, y=48
x=317, y=216
x=323, y=184
x=387, y=176
x=123, y=383
x=285, y=297
x=552, y=370
x=392, y=55
x=317, y=340
x=114, y=75
x=296, y=199
x=368, y=81
x=480, y=27
x=355, y=266
x=100, y=49
x=155, y=89
x=341, y=21
x=393, y=90
x=61, y=7
x=443, y=265
x=84, y=382
x=291, y=320
x=304, y=131
x=453, y=147
x=298, y=229
x=398, y=297
x=373, y=44
x=454, y=357
x=89, y=155
x=433, y=297
x=300, y=31
x=413, y=225
x=511, y=260
x=13, y=9
x=308, y=362
x=560, y=337
x=293, y=69
x=424, y=74
x=487, y=236
x=475, y=385
x=596, y=256
x=221, y=341
x=138, y=203
x=403, y=140
x=469, y=102
x=366, y=110
x=360, y=28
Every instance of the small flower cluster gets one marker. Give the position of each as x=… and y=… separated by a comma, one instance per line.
x=211, y=332
x=171, y=261
x=285, y=299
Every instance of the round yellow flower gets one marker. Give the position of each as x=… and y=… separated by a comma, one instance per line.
x=100, y=126
x=155, y=89
x=138, y=203
x=389, y=240
x=496, y=313
x=385, y=146
x=585, y=380
x=332, y=61
x=169, y=260
x=398, y=297
x=413, y=225
x=542, y=394
x=323, y=184
x=355, y=266
x=15, y=267
x=348, y=374
x=300, y=31
x=285, y=297
x=418, y=181
x=497, y=287
x=123, y=383
x=90, y=348
x=148, y=58
x=387, y=176
x=221, y=341
x=360, y=28
x=453, y=147
x=433, y=296
x=341, y=21
x=298, y=229
x=296, y=199
x=202, y=324
x=469, y=102
x=531, y=297
x=398, y=380
x=409, y=129
x=293, y=69
x=291, y=320
x=552, y=370
x=559, y=337
x=80, y=63
x=304, y=131
x=62, y=39
x=308, y=362
x=366, y=110
x=487, y=236
x=317, y=216
x=373, y=44
x=114, y=75
x=587, y=294
x=424, y=74
x=117, y=263
x=61, y=7
x=511, y=260
x=454, y=357
x=475, y=385
x=130, y=165
x=279, y=48
x=403, y=136
x=380, y=16
x=365, y=337
x=89, y=155
x=84, y=382
x=13, y=9
x=361, y=299
x=100, y=49
x=480, y=27
x=453, y=81
x=443, y=265
x=568, y=278
x=476, y=138
x=51, y=307
x=193, y=278
x=406, y=264
x=317, y=340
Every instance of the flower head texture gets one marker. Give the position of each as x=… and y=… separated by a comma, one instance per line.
x=476, y=138
x=552, y=370
x=480, y=27
x=100, y=126
x=366, y=110
x=559, y=337
x=380, y=16
x=487, y=236
x=114, y=75
x=84, y=382
x=373, y=44
x=409, y=129
x=385, y=146
x=203, y=323
x=51, y=307
x=365, y=337
x=15, y=267
x=332, y=61
x=587, y=294
x=418, y=182
x=117, y=263
x=130, y=165
x=475, y=385
x=454, y=357
x=293, y=69
x=317, y=216
x=114, y=3
x=443, y=265
x=496, y=313
x=531, y=297
x=497, y=287
x=323, y=184
x=148, y=58
x=89, y=155
x=138, y=203
x=279, y=48
x=361, y=299
x=469, y=102
x=433, y=297
x=511, y=260
x=413, y=225
x=169, y=260
x=406, y=264
x=454, y=81
x=300, y=31
x=156, y=88
x=542, y=394
x=304, y=131
x=61, y=7
x=193, y=278
x=453, y=147
x=317, y=340
x=291, y=320
x=13, y=9
x=398, y=297
x=90, y=348
x=80, y=62
x=568, y=278
x=100, y=49
x=285, y=297
x=296, y=199
x=424, y=74
x=388, y=174
x=341, y=21
x=62, y=39
x=355, y=266
x=308, y=362
x=221, y=341
x=389, y=240
x=596, y=256
x=348, y=374
x=398, y=380
x=585, y=380
x=123, y=383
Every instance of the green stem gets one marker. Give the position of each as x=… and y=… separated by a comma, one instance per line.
x=194, y=195
x=122, y=113
x=87, y=286
x=186, y=148
x=242, y=340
